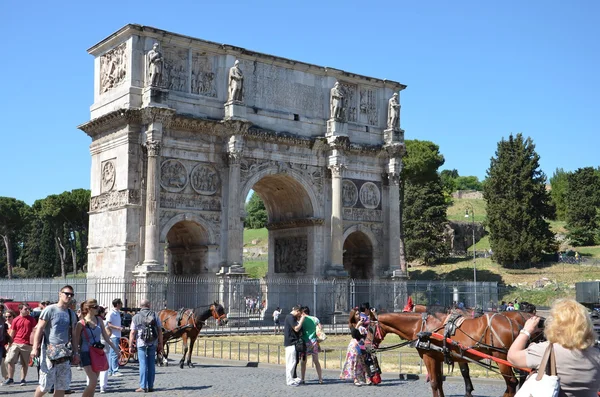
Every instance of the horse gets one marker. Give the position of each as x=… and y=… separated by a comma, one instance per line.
x=187, y=323
x=493, y=333
x=519, y=317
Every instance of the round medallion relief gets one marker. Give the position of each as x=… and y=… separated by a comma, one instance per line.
x=370, y=195
x=108, y=176
x=173, y=176
x=349, y=193
x=205, y=180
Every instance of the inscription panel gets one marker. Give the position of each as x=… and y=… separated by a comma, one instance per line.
x=291, y=254
x=362, y=214
x=189, y=201
x=276, y=88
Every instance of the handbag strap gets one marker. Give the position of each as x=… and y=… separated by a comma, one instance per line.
x=548, y=355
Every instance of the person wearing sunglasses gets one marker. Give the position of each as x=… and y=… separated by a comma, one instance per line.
x=90, y=331
x=20, y=348
x=60, y=346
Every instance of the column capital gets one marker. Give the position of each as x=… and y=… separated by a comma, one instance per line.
x=393, y=178
x=235, y=149
x=153, y=147
x=394, y=150
x=337, y=169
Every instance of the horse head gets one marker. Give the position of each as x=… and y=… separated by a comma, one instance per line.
x=218, y=312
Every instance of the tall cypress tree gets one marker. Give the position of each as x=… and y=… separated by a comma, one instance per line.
x=518, y=204
x=582, y=206
x=424, y=213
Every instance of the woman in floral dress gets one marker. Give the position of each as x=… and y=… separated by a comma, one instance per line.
x=354, y=367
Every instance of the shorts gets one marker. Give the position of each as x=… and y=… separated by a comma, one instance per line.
x=312, y=349
x=57, y=375
x=85, y=359
x=17, y=351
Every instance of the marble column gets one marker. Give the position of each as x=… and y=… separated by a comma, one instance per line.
x=395, y=243
x=151, y=257
x=337, y=222
x=235, y=228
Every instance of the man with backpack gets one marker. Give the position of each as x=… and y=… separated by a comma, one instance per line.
x=146, y=336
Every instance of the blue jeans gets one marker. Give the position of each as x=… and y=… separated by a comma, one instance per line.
x=113, y=359
x=147, y=361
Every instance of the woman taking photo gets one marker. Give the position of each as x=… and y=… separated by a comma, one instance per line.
x=90, y=330
x=569, y=328
x=354, y=367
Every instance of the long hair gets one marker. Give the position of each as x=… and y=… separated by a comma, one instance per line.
x=569, y=325
x=352, y=320
x=85, y=306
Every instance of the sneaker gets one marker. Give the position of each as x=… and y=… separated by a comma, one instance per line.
x=7, y=382
x=23, y=382
x=117, y=374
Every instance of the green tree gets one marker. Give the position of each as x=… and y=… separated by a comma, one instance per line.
x=518, y=204
x=256, y=217
x=14, y=216
x=559, y=186
x=424, y=205
x=582, y=206
x=468, y=183
x=39, y=252
x=448, y=178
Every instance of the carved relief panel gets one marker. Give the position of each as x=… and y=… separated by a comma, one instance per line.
x=175, y=69
x=205, y=179
x=370, y=196
x=113, y=68
x=350, y=102
x=203, y=75
x=108, y=176
x=349, y=193
x=291, y=254
x=173, y=175
x=369, y=113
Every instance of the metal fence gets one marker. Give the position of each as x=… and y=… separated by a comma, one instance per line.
x=251, y=302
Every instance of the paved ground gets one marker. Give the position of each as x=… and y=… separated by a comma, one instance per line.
x=218, y=378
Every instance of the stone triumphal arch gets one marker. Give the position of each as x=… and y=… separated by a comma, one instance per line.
x=183, y=129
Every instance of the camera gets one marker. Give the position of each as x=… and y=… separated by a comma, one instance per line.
x=98, y=345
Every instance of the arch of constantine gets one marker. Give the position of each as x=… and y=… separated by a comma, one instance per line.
x=183, y=129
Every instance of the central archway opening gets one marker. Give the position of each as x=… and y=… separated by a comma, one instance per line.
x=285, y=236
x=358, y=256
x=187, y=249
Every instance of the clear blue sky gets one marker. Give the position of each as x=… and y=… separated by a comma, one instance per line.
x=476, y=71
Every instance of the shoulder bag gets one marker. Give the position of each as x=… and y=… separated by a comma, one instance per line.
x=542, y=384
x=97, y=354
x=320, y=333
x=60, y=352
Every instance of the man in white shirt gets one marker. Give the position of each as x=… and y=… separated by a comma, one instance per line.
x=114, y=324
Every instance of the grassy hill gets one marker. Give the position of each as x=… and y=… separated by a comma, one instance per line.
x=523, y=284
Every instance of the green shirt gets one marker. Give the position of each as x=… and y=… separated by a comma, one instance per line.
x=309, y=329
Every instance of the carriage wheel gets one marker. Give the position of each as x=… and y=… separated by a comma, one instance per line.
x=124, y=348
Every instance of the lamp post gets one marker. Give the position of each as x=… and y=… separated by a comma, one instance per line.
x=474, y=257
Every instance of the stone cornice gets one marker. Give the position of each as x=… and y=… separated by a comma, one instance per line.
x=111, y=121
x=156, y=114
x=295, y=223
x=394, y=150
x=194, y=124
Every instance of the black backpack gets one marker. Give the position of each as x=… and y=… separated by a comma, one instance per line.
x=149, y=331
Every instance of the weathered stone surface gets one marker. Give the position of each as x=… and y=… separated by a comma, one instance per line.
x=183, y=129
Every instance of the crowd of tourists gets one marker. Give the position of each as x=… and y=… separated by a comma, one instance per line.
x=86, y=337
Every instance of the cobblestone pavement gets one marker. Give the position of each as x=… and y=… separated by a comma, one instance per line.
x=218, y=378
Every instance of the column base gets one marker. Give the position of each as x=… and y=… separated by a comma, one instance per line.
x=398, y=274
x=149, y=267
x=336, y=128
x=336, y=271
x=393, y=135
x=235, y=110
x=153, y=96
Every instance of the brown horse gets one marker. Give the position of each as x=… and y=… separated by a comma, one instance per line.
x=492, y=334
x=518, y=317
x=187, y=323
